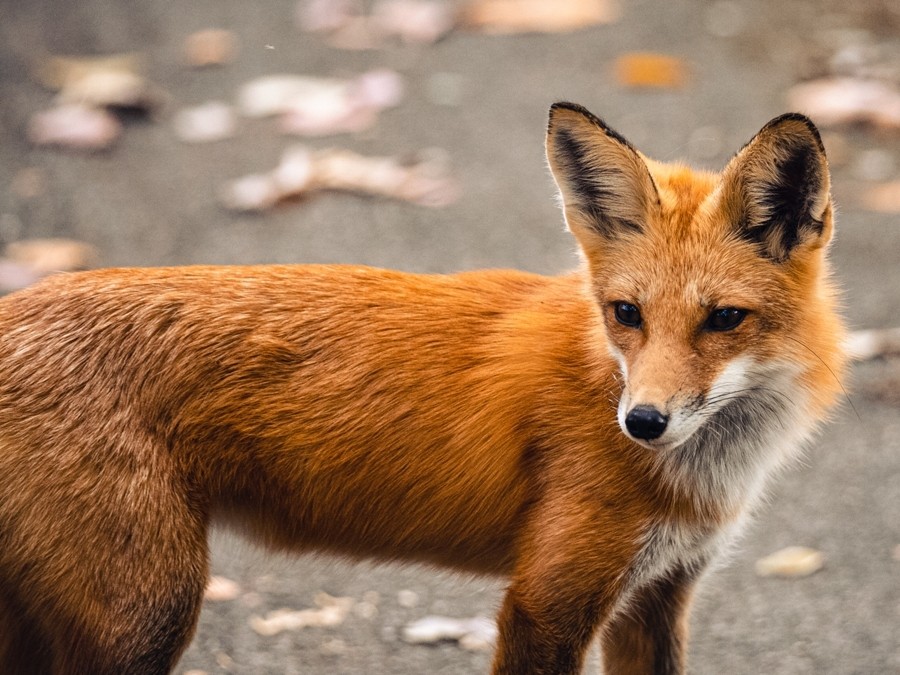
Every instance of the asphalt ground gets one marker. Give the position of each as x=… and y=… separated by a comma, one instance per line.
x=152, y=201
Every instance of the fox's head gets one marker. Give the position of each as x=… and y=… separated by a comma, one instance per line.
x=712, y=289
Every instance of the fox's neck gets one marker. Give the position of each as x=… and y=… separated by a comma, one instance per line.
x=726, y=463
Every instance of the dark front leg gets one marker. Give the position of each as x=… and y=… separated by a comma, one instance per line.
x=649, y=635
x=543, y=638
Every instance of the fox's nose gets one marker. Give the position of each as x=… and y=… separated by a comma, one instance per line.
x=646, y=422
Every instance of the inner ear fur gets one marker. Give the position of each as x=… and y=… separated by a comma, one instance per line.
x=777, y=189
x=605, y=185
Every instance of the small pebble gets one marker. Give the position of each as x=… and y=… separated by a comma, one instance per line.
x=224, y=661
x=407, y=598
x=219, y=589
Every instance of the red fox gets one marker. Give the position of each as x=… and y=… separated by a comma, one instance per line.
x=596, y=437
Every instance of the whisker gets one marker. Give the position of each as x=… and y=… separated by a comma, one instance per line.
x=828, y=368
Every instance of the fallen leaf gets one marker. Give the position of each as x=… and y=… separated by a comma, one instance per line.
x=862, y=345
x=647, y=69
x=254, y=192
x=15, y=276
x=74, y=126
x=347, y=27
x=331, y=612
x=537, y=16
x=26, y=262
x=100, y=81
x=210, y=47
x=424, y=180
x=211, y=121
x=415, y=21
x=58, y=72
x=325, y=16
x=793, y=561
x=314, y=106
x=848, y=100
x=46, y=256
x=359, y=34
x=476, y=633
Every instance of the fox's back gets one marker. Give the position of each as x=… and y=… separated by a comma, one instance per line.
x=387, y=391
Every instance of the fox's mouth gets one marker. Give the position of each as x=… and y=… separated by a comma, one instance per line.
x=660, y=445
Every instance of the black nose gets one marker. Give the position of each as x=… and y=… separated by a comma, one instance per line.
x=646, y=422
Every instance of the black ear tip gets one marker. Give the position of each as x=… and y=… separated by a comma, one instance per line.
x=802, y=119
x=566, y=106
x=559, y=106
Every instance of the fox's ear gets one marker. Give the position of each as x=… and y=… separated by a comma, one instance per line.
x=777, y=189
x=605, y=185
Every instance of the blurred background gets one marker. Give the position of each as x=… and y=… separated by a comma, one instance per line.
x=409, y=134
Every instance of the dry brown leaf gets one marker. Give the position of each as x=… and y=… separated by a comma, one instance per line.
x=101, y=81
x=476, y=633
x=862, y=345
x=848, y=100
x=302, y=171
x=647, y=69
x=793, y=561
x=537, y=16
x=414, y=21
x=57, y=72
x=210, y=47
x=46, y=256
x=331, y=612
x=325, y=16
x=15, y=275
x=74, y=126
x=316, y=106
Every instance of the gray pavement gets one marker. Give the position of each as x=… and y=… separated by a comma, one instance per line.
x=152, y=201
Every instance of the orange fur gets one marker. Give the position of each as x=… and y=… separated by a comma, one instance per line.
x=466, y=420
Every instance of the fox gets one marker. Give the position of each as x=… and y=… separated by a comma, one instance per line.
x=597, y=438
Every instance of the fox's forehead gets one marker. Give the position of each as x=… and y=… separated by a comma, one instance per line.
x=696, y=265
x=684, y=193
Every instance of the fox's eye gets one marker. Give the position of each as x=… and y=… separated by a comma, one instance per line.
x=628, y=314
x=727, y=318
